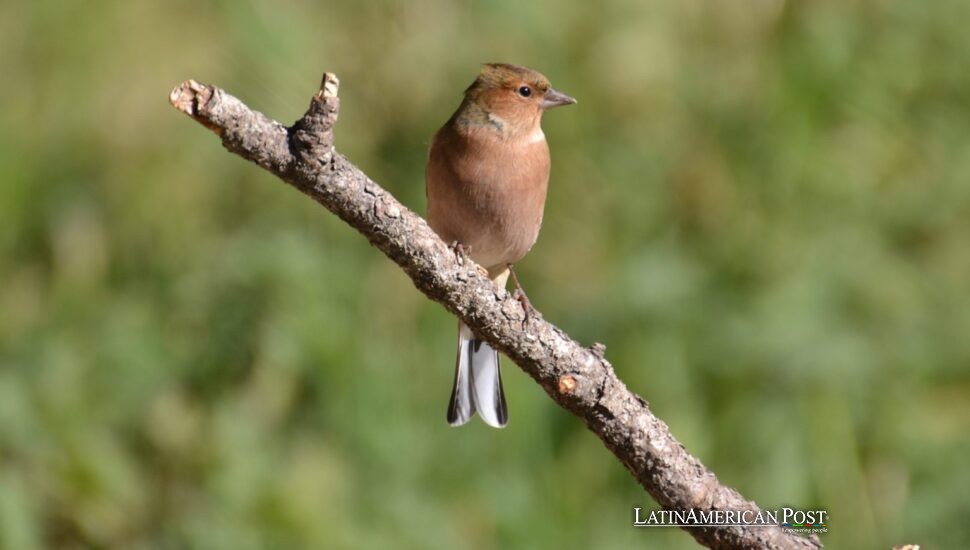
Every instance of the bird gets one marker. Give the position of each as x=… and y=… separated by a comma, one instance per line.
x=486, y=180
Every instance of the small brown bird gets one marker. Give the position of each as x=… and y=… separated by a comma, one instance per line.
x=487, y=174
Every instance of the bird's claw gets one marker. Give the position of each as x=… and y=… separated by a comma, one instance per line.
x=527, y=308
x=519, y=295
x=461, y=251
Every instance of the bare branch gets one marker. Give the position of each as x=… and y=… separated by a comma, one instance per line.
x=579, y=379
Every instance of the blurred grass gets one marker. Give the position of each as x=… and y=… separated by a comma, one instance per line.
x=763, y=211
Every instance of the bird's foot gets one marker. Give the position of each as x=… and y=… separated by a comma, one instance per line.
x=461, y=251
x=519, y=295
x=527, y=308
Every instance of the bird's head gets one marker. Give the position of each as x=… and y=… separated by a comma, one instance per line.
x=513, y=97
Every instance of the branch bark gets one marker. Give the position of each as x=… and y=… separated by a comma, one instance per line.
x=579, y=379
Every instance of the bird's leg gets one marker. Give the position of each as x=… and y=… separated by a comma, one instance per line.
x=461, y=251
x=519, y=295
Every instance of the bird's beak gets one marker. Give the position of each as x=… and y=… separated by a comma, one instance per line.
x=555, y=98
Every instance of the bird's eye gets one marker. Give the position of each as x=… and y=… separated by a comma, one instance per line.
x=525, y=91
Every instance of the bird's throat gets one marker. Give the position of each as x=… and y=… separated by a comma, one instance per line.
x=473, y=117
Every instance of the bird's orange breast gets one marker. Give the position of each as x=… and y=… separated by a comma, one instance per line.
x=487, y=192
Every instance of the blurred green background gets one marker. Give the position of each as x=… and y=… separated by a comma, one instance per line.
x=761, y=208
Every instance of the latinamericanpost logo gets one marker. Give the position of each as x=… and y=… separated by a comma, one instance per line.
x=789, y=519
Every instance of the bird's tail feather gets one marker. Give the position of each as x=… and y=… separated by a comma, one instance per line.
x=478, y=383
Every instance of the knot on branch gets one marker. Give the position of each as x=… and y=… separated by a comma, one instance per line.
x=311, y=137
x=567, y=384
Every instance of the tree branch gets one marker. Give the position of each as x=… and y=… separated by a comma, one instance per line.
x=579, y=379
